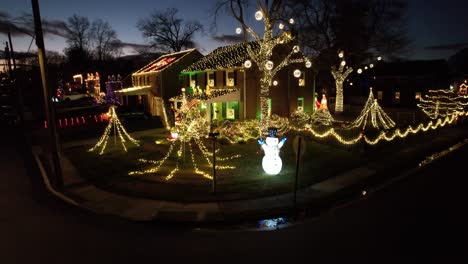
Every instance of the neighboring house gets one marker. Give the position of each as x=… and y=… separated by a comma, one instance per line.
x=156, y=82
x=403, y=83
x=228, y=90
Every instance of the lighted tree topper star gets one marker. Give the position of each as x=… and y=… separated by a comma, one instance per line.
x=116, y=125
x=272, y=162
x=191, y=129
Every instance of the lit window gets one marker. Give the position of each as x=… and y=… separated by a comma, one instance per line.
x=397, y=95
x=380, y=95
x=417, y=96
x=300, y=104
x=211, y=79
x=193, y=80
x=230, y=78
x=301, y=82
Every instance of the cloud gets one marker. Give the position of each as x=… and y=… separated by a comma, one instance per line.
x=452, y=46
x=228, y=38
x=24, y=25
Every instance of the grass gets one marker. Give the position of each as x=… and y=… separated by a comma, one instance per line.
x=110, y=170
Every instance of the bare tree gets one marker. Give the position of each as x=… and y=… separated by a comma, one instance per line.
x=361, y=27
x=79, y=32
x=167, y=32
x=223, y=7
x=104, y=40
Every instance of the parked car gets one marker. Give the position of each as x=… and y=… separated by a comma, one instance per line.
x=73, y=96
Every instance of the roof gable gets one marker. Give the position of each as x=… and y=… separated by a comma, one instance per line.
x=163, y=62
x=223, y=57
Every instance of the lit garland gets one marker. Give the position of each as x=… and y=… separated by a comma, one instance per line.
x=299, y=119
x=192, y=127
x=374, y=113
x=114, y=123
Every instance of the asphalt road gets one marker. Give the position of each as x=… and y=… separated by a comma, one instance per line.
x=416, y=219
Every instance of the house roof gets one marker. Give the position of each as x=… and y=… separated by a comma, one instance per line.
x=163, y=62
x=223, y=57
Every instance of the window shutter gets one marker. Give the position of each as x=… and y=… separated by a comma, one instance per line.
x=224, y=78
x=214, y=74
x=206, y=79
x=235, y=77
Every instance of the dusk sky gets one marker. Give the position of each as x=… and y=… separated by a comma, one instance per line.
x=437, y=29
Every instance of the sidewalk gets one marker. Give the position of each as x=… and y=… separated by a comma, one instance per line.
x=85, y=195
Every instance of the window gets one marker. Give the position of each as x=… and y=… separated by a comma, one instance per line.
x=417, y=96
x=302, y=82
x=230, y=78
x=300, y=104
x=193, y=80
x=397, y=97
x=212, y=79
x=380, y=95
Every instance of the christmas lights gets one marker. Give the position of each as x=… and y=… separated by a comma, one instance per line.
x=374, y=113
x=116, y=125
x=191, y=128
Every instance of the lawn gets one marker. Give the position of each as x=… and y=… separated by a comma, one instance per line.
x=111, y=170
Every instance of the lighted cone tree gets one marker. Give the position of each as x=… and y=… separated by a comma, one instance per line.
x=340, y=76
x=187, y=135
x=270, y=14
x=373, y=115
x=116, y=126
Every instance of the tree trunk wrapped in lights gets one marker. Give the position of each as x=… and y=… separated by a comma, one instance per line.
x=117, y=127
x=373, y=115
x=340, y=76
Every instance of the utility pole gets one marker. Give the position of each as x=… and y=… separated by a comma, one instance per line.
x=50, y=111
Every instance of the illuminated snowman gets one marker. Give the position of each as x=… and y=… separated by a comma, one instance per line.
x=271, y=162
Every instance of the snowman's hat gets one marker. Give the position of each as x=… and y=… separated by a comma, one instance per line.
x=272, y=131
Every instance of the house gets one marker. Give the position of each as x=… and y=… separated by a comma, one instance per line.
x=156, y=82
x=229, y=90
x=403, y=83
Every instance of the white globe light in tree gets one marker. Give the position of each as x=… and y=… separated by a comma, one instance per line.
x=275, y=82
x=341, y=54
x=238, y=30
x=297, y=73
x=379, y=58
x=365, y=68
x=269, y=65
x=343, y=63
x=296, y=49
x=359, y=71
x=371, y=66
x=281, y=26
x=291, y=21
x=258, y=15
x=308, y=64
x=247, y=64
